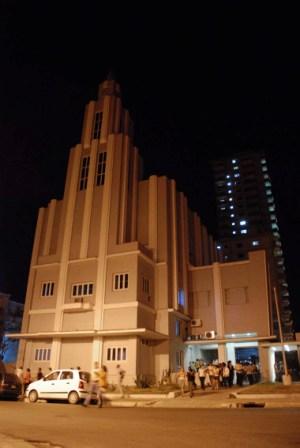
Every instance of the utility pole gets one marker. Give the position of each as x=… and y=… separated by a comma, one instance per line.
x=286, y=378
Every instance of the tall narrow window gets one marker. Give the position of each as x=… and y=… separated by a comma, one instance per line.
x=101, y=165
x=97, y=124
x=84, y=173
x=47, y=289
x=120, y=281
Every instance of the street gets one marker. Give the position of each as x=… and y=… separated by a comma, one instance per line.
x=70, y=426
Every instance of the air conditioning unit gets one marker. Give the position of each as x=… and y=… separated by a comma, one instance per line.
x=196, y=323
x=210, y=334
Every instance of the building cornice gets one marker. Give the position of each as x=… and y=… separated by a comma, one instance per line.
x=141, y=332
x=230, y=340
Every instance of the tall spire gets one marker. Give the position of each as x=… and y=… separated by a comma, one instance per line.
x=109, y=86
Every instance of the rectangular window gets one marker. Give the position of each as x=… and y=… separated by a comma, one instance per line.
x=84, y=173
x=42, y=354
x=47, y=289
x=181, y=298
x=116, y=354
x=101, y=166
x=120, y=281
x=97, y=124
x=146, y=286
x=82, y=289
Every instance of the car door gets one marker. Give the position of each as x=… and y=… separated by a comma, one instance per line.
x=47, y=387
x=65, y=384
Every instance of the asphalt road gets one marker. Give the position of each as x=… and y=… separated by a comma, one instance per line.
x=70, y=426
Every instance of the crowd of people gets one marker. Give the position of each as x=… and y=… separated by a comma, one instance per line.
x=216, y=375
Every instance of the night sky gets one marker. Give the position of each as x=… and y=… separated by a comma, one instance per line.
x=198, y=84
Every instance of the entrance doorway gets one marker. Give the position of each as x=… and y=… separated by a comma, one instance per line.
x=247, y=354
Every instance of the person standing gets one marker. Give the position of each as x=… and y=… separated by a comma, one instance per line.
x=202, y=371
x=94, y=388
x=40, y=374
x=26, y=379
x=181, y=380
x=102, y=382
x=19, y=373
x=191, y=380
x=231, y=373
x=121, y=375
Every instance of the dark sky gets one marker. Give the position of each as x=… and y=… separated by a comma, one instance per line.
x=198, y=84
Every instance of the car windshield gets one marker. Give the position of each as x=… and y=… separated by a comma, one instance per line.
x=52, y=376
x=85, y=376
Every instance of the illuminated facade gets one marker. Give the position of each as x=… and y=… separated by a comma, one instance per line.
x=122, y=272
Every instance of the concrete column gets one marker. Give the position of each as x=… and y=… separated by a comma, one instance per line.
x=49, y=227
x=153, y=215
x=205, y=246
x=88, y=201
x=104, y=235
x=70, y=200
x=174, y=248
x=55, y=353
x=219, y=304
x=88, y=124
x=123, y=191
x=222, y=353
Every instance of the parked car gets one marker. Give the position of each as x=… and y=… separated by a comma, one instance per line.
x=62, y=384
x=10, y=386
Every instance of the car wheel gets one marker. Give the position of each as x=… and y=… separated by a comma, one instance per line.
x=33, y=396
x=73, y=397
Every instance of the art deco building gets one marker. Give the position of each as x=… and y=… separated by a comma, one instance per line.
x=123, y=272
x=247, y=220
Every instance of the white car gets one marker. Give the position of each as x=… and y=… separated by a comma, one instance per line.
x=62, y=384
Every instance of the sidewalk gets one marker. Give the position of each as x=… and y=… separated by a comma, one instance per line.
x=11, y=442
x=224, y=398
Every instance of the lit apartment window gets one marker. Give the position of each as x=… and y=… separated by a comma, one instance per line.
x=82, y=289
x=268, y=183
x=233, y=223
x=229, y=191
x=219, y=247
x=233, y=233
x=231, y=207
x=268, y=192
x=264, y=169
x=116, y=354
x=229, y=184
x=233, y=161
x=243, y=222
x=47, y=289
x=255, y=243
x=244, y=231
x=84, y=173
x=42, y=354
x=227, y=176
x=235, y=167
x=263, y=161
x=232, y=215
x=272, y=208
x=120, y=281
x=237, y=175
x=97, y=124
x=181, y=297
x=101, y=165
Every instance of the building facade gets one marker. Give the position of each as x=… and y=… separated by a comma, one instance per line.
x=123, y=272
x=247, y=221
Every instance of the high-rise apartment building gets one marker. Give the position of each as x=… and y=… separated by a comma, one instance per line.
x=246, y=214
